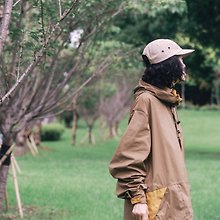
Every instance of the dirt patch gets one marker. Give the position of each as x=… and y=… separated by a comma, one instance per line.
x=13, y=213
x=35, y=212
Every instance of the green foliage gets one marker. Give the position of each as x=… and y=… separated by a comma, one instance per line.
x=201, y=67
x=90, y=98
x=144, y=21
x=52, y=132
x=172, y=6
x=154, y=19
x=204, y=21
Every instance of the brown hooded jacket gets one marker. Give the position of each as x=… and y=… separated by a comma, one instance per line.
x=149, y=161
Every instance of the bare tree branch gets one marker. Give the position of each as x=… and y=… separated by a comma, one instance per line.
x=37, y=58
x=66, y=12
x=16, y=3
x=60, y=8
x=28, y=70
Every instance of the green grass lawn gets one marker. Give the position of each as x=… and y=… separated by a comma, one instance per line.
x=66, y=182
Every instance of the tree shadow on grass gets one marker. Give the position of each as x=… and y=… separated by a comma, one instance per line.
x=202, y=154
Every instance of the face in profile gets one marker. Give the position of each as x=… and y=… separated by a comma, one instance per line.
x=183, y=77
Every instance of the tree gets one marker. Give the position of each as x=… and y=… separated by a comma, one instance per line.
x=114, y=108
x=88, y=105
x=36, y=81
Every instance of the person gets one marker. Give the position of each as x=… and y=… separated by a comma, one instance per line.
x=149, y=161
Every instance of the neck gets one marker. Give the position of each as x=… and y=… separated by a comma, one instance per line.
x=167, y=89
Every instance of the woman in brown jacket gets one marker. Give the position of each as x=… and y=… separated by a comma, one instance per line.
x=149, y=161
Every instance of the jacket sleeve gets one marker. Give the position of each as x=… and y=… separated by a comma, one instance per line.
x=128, y=162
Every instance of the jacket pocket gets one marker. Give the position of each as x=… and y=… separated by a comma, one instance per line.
x=154, y=200
x=176, y=204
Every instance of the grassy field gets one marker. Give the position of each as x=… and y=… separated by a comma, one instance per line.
x=66, y=182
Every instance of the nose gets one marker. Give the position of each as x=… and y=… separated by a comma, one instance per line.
x=183, y=64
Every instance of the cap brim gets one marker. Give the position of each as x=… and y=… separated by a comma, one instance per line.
x=185, y=52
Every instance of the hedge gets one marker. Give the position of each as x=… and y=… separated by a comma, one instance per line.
x=52, y=132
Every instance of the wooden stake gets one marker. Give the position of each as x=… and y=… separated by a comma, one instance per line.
x=87, y=137
x=30, y=147
x=15, y=163
x=84, y=138
x=6, y=200
x=16, y=189
x=93, y=139
x=33, y=144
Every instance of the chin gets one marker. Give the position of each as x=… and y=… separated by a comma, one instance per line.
x=183, y=77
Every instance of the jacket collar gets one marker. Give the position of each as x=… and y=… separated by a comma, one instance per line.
x=170, y=98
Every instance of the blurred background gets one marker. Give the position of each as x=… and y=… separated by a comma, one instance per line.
x=67, y=73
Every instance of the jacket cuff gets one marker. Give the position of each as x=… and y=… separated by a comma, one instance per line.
x=139, y=197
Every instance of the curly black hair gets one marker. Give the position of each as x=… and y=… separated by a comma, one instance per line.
x=163, y=74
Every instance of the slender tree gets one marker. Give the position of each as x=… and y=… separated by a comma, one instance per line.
x=88, y=104
x=114, y=108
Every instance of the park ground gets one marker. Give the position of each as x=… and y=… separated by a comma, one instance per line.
x=66, y=182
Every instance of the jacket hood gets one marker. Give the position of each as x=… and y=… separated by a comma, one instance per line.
x=170, y=98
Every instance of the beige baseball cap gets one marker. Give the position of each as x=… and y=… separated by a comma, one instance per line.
x=162, y=49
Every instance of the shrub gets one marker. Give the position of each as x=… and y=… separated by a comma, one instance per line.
x=210, y=108
x=191, y=106
x=52, y=132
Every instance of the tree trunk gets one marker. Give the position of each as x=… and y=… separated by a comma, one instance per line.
x=112, y=130
x=5, y=23
x=218, y=93
x=212, y=102
x=74, y=122
x=21, y=141
x=117, y=128
x=74, y=128
x=4, y=167
x=3, y=180
x=90, y=134
x=102, y=127
x=21, y=137
x=37, y=132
